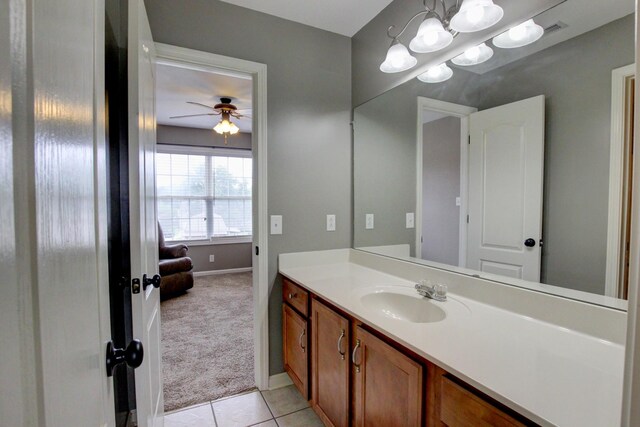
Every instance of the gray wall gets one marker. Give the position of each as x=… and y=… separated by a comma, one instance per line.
x=226, y=256
x=575, y=77
x=178, y=135
x=309, y=108
x=440, y=187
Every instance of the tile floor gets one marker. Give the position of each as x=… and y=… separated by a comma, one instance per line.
x=283, y=407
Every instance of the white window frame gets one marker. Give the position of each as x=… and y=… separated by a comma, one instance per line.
x=208, y=151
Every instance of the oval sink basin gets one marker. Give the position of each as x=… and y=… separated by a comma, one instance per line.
x=404, y=307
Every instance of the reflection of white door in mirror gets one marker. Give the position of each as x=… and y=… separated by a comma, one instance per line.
x=506, y=156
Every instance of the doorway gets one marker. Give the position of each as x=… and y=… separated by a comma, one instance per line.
x=224, y=225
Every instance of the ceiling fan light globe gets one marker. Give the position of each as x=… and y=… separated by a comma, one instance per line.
x=398, y=59
x=476, y=15
x=521, y=35
x=431, y=37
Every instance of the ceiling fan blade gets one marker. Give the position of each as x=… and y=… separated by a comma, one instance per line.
x=241, y=116
x=193, y=115
x=202, y=105
x=244, y=109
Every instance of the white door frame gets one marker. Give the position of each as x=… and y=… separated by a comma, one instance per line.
x=204, y=61
x=455, y=110
x=616, y=177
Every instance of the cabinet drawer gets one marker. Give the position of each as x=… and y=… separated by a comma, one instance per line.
x=296, y=296
x=462, y=408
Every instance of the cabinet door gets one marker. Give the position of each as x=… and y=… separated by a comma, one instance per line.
x=387, y=384
x=294, y=342
x=329, y=365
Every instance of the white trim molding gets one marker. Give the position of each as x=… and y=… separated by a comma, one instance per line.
x=279, y=381
x=225, y=271
x=454, y=110
x=616, y=178
x=204, y=61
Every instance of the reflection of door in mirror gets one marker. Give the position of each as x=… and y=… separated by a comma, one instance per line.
x=620, y=181
x=506, y=156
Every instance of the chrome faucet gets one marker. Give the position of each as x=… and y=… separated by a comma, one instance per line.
x=437, y=291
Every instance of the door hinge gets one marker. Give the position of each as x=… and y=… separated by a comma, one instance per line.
x=469, y=139
x=257, y=251
x=467, y=219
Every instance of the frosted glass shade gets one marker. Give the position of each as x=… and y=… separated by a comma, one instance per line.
x=518, y=36
x=473, y=56
x=436, y=74
x=476, y=15
x=226, y=126
x=398, y=59
x=431, y=37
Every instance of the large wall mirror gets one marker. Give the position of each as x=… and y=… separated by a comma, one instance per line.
x=516, y=170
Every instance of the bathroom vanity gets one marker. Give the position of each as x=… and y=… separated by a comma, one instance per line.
x=366, y=349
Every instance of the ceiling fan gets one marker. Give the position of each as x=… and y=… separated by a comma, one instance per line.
x=226, y=110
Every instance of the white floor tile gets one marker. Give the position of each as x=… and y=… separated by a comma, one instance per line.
x=198, y=416
x=241, y=411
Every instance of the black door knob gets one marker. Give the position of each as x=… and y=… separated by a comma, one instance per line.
x=155, y=281
x=529, y=242
x=132, y=355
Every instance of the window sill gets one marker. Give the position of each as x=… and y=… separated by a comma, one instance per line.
x=213, y=241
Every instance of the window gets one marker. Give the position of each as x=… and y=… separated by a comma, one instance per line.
x=203, y=194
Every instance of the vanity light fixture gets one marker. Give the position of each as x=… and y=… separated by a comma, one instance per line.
x=436, y=74
x=474, y=55
x=437, y=30
x=398, y=58
x=520, y=35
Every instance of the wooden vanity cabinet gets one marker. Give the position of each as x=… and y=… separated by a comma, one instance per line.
x=295, y=336
x=387, y=384
x=329, y=365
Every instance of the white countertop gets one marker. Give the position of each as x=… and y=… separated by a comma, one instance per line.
x=551, y=374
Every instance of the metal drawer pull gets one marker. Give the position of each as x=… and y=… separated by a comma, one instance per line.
x=300, y=340
x=292, y=296
x=340, y=345
x=353, y=356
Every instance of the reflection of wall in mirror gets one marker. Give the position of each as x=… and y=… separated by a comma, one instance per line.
x=440, y=188
x=575, y=77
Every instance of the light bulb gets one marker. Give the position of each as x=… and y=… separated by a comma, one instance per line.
x=472, y=54
x=475, y=14
x=520, y=35
x=436, y=74
x=398, y=59
x=431, y=37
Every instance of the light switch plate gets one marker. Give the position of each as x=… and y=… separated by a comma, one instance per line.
x=212, y=258
x=331, y=222
x=368, y=223
x=458, y=201
x=276, y=224
x=410, y=220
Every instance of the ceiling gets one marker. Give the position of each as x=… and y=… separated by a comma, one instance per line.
x=176, y=85
x=344, y=17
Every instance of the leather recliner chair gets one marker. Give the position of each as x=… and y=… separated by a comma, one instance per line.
x=175, y=268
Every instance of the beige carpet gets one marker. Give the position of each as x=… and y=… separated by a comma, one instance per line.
x=207, y=337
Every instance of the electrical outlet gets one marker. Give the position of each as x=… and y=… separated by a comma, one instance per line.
x=368, y=222
x=211, y=258
x=331, y=223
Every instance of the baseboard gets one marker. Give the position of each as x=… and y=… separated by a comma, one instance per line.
x=214, y=272
x=279, y=381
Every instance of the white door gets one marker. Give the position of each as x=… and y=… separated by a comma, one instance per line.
x=142, y=213
x=506, y=162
